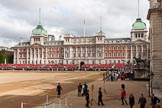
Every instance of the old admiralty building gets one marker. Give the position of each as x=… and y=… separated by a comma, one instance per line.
x=99, y=49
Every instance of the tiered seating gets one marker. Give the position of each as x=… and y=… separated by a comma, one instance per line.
x=35, y=66
x=119, y=65
x=70, y=66
x=60, y=66
x=97, y=66
x=21, y=66
x=6, y=66
x=87, y=66
x=103, y=66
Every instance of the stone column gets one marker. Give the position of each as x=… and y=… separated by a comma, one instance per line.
x=85, y=53
x=42, y=60
x=27, y=56
x=15, y=56
x=34, y=56
x=18, y=56
x=46, y=57
x=142, y=51
x=136, y=51
x=31, y=56
x=126, y=53
x=76, y=56
x=131, y=55
x=81, y=52
x=147, y=51
x=38, y=59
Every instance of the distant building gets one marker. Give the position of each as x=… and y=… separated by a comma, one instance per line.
x=4, y=48
x=44, y=49
x=155, y=35
x=6, y=55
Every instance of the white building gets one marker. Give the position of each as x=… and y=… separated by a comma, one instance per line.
x=44, y=49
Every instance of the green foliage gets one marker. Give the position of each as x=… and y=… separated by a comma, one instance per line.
x=3, y=56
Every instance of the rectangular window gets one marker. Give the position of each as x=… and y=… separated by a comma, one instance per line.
x=89, y=54
x=105, y=61
x=100, y=55
x=78, y=54
x=94, y=54
x=123, y=54
x=99, y=61
x=83, y=54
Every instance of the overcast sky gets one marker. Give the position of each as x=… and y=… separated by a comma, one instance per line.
x=19, y=17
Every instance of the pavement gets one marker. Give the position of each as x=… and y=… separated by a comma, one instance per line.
x=111, y=97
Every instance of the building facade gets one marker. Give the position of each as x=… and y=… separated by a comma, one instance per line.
x=44, y=49
x=155, y=35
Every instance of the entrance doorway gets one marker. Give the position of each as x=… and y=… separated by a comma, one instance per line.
x=81, y=63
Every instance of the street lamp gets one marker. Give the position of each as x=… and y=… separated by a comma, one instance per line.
x=150, y=83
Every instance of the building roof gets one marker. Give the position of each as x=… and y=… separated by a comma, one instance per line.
x=118, y=39
x=139, y=24
x=39, y=30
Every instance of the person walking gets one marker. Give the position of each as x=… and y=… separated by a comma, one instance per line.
x=100, y=101
x=79, y=89
x=142, y=101
x=87, y=99
x=131, y=100
x=85, y=88
x=123, y=97
x=154, y=100
x=59, y=89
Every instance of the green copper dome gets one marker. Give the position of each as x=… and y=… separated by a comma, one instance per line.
x=139, y=24
x=39, y=30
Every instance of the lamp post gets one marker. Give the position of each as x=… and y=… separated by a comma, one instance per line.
x=150, y=83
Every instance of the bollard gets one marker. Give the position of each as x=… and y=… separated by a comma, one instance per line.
x=66, y=101
x=45, y=106
x=46, y=99
x=59, y=103
x=22, y=105
x=53, y=105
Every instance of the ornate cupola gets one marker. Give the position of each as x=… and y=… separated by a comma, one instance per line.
x=39, y=30
x=39, y=35
x=139, y=30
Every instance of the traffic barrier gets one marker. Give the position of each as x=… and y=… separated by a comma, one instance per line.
x=52, y=101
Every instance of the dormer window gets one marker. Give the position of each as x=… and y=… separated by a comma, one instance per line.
x=136, y=35
x=141, y=35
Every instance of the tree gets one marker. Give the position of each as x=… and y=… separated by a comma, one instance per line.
x=3, y=56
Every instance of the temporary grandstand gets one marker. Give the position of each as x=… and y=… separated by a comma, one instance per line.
x=61, y=67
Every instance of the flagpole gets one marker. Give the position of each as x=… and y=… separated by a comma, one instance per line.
x=84, y=27
x=138, y=8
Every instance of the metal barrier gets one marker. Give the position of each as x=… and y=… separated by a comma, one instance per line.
x=54, y=102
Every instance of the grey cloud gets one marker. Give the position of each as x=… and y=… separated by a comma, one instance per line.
x=60, y=16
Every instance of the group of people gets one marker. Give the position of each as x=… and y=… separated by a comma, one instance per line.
x=108, y=75
x=141, y=101
x=83, y=91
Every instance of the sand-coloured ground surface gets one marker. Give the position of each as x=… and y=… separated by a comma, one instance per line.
x=33, y=86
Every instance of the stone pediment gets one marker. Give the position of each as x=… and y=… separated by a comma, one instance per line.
x=139, y=41
x=36, y=45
